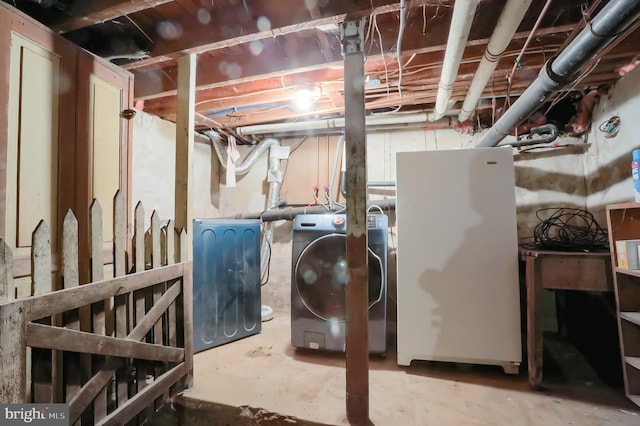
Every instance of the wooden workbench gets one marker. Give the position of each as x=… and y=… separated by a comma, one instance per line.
x=558, y=270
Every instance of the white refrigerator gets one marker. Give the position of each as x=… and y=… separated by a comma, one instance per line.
x=457, y=257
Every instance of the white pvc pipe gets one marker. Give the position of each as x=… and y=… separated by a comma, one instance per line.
x=506, y=27
x=463, y=12
x=300, y=126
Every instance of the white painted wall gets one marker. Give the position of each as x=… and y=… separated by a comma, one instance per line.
x=153, y=169
x=607, y=163
x=543, y=179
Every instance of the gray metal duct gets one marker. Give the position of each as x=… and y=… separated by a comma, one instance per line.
x=614, y=18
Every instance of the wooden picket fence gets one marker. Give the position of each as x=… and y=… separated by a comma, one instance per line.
x=114, y=349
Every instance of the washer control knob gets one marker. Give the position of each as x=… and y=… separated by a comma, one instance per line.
x=338, y=221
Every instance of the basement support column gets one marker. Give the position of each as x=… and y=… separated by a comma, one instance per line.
x=185, y=123
x=357, y=347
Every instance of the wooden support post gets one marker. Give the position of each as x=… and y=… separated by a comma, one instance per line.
x=184, y=143
x=357, y=347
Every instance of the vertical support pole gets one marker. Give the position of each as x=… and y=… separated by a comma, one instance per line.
x=185, y=123
x=357, y=347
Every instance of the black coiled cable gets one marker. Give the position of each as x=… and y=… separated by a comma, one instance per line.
x=567, y=229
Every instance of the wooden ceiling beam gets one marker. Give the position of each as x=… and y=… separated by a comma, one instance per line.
x=216, y=102
x=410, y=101
x=226, y=28
x=161, y=82
x=85, y=13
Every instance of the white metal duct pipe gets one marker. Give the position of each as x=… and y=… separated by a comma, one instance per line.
x=463, y=12
x=506, y=27
x=333, y=123
x=613, y=19
x=274, y=177
x=275, y=184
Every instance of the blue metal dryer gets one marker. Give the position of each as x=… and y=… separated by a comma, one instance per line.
x=226, y=281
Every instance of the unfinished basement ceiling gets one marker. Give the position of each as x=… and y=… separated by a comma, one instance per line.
x=255, y=55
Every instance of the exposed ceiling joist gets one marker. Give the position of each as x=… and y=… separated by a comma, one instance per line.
x=160, y=83
x=254, y=55
x=86, y=13
x=226, y=28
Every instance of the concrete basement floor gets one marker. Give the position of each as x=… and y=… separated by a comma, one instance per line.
x=307, y=387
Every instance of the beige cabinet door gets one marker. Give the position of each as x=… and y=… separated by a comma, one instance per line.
x=33, y=142
x=103, y=146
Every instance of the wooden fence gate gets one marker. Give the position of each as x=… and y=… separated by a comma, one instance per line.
x=114, y=349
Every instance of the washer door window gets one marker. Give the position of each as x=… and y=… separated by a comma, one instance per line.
x=321, y=276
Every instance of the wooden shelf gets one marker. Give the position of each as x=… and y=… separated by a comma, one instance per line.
x=623, y=223
x=633, y=361
x=631, y=272
x=633, y=317
x=623, y=206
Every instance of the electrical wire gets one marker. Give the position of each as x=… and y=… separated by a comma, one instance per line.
x=610, y=127
x=376, y=207
x=291, y=151
x=334, y=169
x=524, y=48
x=264, y=281
x=567, y=229
x=573, y=86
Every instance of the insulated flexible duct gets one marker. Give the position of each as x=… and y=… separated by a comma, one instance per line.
x=221, y=151
x=275, y=182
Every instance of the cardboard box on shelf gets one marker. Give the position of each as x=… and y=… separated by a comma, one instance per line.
x=628, y=254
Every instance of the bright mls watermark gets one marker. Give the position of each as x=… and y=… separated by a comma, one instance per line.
x=34, y=414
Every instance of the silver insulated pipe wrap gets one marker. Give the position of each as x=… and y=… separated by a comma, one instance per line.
x=613, y=19
x=275, y=182
x=243, y=168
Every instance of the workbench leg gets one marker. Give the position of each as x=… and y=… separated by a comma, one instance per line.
x=534, y=321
